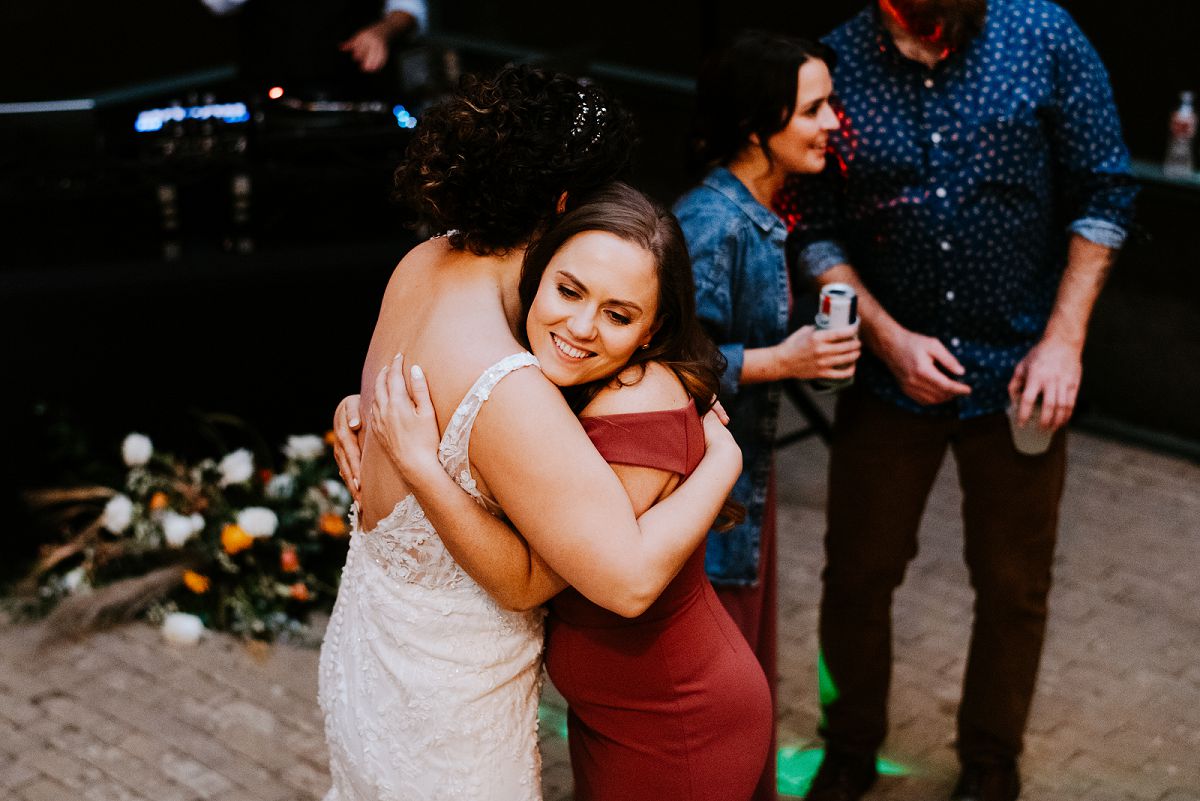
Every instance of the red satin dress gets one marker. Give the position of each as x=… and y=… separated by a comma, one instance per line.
x=671, y=705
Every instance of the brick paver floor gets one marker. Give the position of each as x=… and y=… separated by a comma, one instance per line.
x=125, y=717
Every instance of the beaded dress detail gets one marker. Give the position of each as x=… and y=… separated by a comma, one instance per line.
x=428, y=687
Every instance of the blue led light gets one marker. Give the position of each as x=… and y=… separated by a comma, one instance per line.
x=154, y=119
x=403, y=118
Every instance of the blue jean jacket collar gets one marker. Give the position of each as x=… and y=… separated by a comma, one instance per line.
x=720, y=179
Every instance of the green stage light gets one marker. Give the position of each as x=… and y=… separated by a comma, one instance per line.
x=554, y=719
x=796, y=767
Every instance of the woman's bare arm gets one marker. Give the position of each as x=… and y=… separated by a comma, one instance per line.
x=540, y=465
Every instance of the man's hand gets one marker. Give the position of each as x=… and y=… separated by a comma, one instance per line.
x=369, y=47
x=347, y=451
x=914, y=360
x=1052, y=369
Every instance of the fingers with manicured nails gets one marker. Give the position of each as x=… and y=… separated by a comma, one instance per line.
x=419, y=390
x=719, y=410
x=346, y=451
x=397, y=389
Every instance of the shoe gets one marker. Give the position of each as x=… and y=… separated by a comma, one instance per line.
x=842, y=777
x=988, y=783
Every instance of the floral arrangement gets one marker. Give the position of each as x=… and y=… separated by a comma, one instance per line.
x=227, y=544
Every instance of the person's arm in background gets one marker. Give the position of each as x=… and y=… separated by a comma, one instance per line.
x=716, y=253
x=918, y=362
x=1092, y=157
x=370, y=45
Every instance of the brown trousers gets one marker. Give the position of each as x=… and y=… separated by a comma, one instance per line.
x=882, y=466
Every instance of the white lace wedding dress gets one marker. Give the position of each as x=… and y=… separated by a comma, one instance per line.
x=429, y=688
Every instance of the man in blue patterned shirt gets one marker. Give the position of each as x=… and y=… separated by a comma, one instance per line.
x=975, y=197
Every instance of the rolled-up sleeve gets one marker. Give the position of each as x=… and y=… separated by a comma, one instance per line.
x=820, y=257
x=417, y=9
x=1088, y=144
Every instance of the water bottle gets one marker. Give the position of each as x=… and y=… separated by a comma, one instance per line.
x=1179, y=162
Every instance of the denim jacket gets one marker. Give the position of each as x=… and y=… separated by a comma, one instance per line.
x=737, y=250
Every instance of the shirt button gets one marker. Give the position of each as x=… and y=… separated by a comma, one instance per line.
x=929, y=83
x=944, y=245
x=954, y=343
x=935, y=138
x=940, y=191
x=950, y=295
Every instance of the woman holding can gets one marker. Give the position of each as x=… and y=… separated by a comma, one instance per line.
x=763, y=114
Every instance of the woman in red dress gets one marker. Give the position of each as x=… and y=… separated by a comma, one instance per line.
x=667, y=701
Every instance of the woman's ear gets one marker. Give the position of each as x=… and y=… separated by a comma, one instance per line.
x=562, y=204
x=653, y=330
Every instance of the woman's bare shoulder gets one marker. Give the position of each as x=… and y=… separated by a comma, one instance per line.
x=424, y=256
x=651, y=387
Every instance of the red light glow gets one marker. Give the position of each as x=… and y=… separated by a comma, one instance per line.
x=275, y=92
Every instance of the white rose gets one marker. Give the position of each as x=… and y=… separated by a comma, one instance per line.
x=336, y=491
x=136, y=450
x=74, y=580
x=257, y=521
x=236, y=467
x=197, y=521
x=305, y=447
x=177, y=528
x=181, y=628
x=118, y=514
x=281, y=486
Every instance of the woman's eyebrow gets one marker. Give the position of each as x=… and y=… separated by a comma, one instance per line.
x=629, y=304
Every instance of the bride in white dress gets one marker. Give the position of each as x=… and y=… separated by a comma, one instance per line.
x=429, y=686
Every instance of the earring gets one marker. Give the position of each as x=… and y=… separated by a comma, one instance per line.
x=645, y=345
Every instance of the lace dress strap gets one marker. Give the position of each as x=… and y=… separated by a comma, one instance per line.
x=455, y=445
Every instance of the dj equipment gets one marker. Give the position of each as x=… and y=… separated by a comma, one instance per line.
x=202, y=162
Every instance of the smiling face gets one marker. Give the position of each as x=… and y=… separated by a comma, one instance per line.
x=799, y=147
x=596, y=304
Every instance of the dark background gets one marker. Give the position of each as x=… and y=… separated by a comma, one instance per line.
x=98, y=329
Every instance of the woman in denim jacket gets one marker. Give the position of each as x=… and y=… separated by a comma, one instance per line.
x=763, y=114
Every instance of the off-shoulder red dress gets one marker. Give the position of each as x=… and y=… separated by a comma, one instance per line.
x=670, y=705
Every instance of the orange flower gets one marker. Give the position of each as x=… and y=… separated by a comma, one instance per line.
x=330, y=437
x=289, y=561
x=299, y=591
x=195, y=582
x=235, y=539
x=332, y=524
x=158, y=501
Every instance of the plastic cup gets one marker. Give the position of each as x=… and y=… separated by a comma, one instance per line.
x=1030, y=439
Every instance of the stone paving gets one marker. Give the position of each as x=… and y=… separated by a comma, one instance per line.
x=125, y=717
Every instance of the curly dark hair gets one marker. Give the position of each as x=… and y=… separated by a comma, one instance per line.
x=680, y=342
x=489, y=163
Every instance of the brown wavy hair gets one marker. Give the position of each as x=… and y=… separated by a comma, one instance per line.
x=489, y=164
x=679, y=343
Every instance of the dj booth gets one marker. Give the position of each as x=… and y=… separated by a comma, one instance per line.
x=194, y=243
x=160, y=169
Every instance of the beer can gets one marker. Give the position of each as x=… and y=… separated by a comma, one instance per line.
x=837, y=307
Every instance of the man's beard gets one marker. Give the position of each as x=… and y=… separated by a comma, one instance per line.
x=947, y=23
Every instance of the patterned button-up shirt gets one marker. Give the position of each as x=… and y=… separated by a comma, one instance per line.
x=952, y=190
